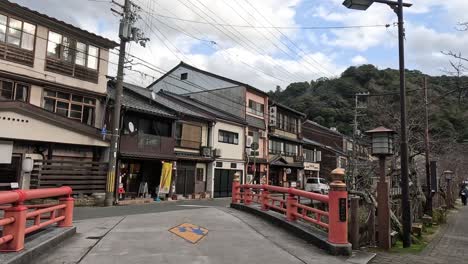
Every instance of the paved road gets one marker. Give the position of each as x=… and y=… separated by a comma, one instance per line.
x=233, y=237
x=81, y=213
x=449, y=246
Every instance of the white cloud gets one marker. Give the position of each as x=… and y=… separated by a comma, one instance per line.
x=358, y=60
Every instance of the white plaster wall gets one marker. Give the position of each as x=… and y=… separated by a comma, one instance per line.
x=38, y=130
x=229, y=151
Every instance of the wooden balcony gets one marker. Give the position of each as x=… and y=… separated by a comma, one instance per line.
x=71, y=69
x=144, y=145
x=16, y=54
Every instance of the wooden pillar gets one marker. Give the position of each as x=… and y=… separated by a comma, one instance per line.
x=383, y=209
x=354, y=219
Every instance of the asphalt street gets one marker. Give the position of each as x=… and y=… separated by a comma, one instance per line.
x=81, y=213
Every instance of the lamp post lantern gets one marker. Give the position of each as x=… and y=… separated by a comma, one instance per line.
x=382, y=146
x=397, y=6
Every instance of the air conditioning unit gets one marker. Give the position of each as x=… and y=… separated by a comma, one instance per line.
x=263, y=134
x=249, y=141
x=206, y=152
x=217, y=153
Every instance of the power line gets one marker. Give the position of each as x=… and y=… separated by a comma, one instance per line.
x=285, y=36
x=275, y=27
x=271, y=41
x=222, y=49
x=250, y=45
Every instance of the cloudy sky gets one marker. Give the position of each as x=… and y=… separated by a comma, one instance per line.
x=304, y=48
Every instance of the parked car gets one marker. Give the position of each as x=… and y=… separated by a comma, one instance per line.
x=317, y=185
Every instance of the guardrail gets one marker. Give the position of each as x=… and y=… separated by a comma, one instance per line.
x=20, y=220
x=334, y=221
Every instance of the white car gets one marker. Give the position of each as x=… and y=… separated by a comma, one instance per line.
x=317, y=185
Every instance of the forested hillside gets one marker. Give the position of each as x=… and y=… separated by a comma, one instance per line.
x=331, y=102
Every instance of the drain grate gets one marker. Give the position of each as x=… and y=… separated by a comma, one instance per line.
x=94, y=237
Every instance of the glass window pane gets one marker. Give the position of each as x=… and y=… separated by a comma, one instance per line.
x=21, y=92
x=27, y=41
x=15, y=24
x=49, y=104
x=3, y=23
x=75, y=107
x=6, y=90
x=92, y=57
x=77, y=98
x=14, y=31
x=62, y=108
x=50, y=93
x=63, y=95
x=88, y=115
x=89, y=101
x=80, y=54
x=53, y=46
x=67, y=49
x=74, y=114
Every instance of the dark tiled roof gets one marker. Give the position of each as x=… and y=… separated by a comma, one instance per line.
x=35, y=16
x=286, y=138
x=140, y=104
x=183, y=64
x=162, y=100
x=287, y=108
x=211, y=110
x=255, y=122
x=315, y=143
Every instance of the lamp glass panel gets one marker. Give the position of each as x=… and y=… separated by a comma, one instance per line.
x=358, y=4
x=381, y=143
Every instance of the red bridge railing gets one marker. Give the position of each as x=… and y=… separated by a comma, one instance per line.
x=20, y=220
x=334, y=221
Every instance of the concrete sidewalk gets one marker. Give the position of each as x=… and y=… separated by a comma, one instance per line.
x=449, y=246
x=233, y=237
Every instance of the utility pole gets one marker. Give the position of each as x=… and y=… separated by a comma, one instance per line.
x=126, y=33
x=426, y=143
x=405, y=201
x=355, y=137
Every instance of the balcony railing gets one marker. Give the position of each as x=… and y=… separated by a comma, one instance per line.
x=146, y=144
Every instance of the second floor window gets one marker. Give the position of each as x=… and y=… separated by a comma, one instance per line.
x=188, y=135
x=312, y=155
x=17, y=33
x=69, y=50
x=228, y=137
x=287, y=149
x=69, y=105
x=287, y=123
x=256, y=108
x=10, y=90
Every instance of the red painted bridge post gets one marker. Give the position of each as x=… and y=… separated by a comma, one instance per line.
x=338, y=209
x=16, y=229
x=291, y=207
x=236, y=189
x=264, y=197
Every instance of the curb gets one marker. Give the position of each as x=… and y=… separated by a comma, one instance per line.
x=308, y=233
x=38, y=243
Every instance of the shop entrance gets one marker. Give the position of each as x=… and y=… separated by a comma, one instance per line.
x=223, y=182
x=185, y=183
x=10, y=173
x=135, y=173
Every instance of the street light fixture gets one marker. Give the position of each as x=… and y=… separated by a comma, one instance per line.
x=397, y=6
x=382, y=146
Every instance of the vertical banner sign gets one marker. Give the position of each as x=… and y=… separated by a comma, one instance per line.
x=434, y=181
x=166, y=174
x=342, y=209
